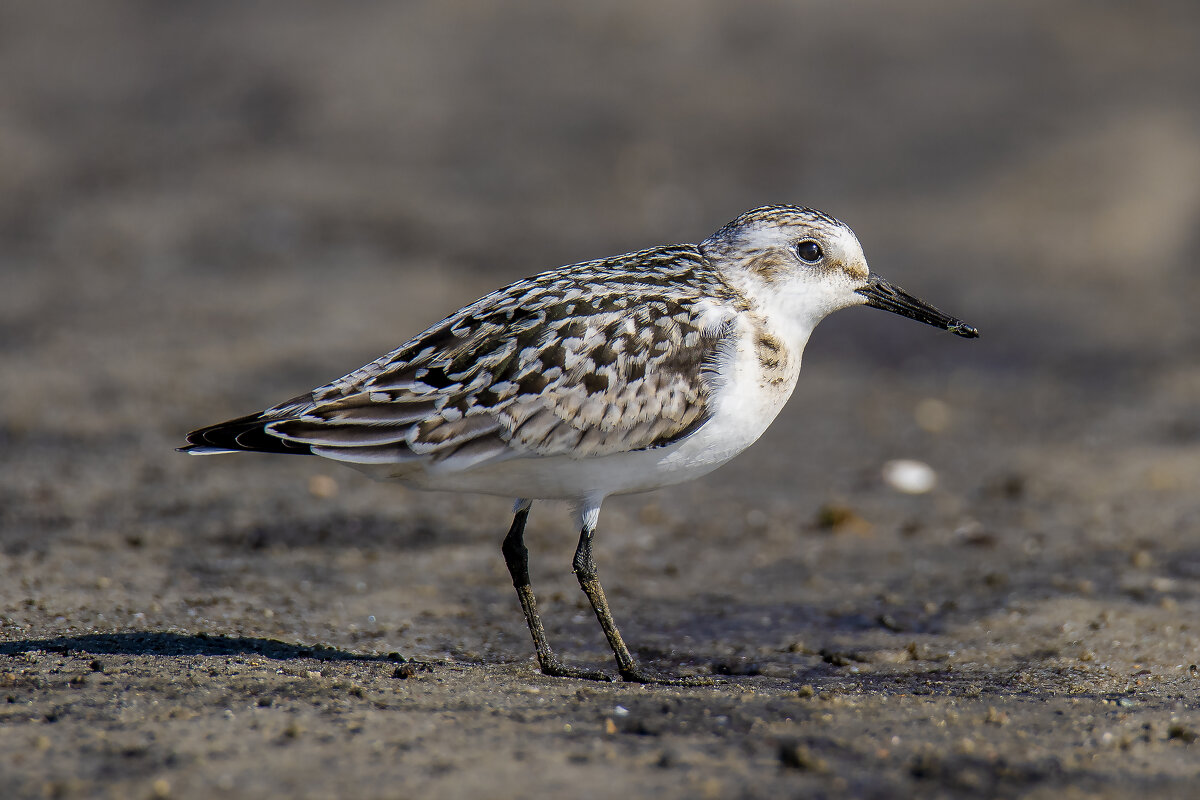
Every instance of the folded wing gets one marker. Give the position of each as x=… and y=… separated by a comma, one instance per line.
x=555, y=365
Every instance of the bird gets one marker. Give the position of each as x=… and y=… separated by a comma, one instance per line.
x=606, y=377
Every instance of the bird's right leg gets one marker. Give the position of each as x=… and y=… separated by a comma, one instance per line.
x=516, y=557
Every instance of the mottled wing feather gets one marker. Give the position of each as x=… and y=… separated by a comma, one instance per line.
x=599, y=358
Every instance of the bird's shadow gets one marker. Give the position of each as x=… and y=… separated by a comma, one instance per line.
x=180, y=644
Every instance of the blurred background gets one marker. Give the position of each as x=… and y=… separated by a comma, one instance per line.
x=208, y=207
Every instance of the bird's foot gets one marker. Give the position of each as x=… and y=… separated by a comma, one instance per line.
x=556, y=669
x=636, y=674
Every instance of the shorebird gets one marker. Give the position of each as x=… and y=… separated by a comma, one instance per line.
x=601, y=378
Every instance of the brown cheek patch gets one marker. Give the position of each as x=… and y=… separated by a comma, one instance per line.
x=769, y=267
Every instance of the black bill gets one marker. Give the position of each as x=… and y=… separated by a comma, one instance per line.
x=889, y=297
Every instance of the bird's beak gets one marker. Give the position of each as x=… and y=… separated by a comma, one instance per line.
x=882, y=294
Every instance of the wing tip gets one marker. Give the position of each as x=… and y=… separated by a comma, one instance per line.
x=244, y=434
x=203, y=450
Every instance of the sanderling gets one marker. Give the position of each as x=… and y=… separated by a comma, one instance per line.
x=601, y=378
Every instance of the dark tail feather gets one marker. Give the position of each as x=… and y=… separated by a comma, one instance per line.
x=243, y=433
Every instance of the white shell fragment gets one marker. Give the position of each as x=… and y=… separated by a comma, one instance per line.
x=909, y=476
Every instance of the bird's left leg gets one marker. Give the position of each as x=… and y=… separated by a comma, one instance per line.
x=589, y=581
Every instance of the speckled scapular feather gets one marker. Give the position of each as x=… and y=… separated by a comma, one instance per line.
x=611, y=376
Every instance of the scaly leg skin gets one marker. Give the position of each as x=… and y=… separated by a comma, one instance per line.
x=516, y=557
x=589, y=581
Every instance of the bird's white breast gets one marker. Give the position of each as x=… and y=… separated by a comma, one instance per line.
x=754, y=383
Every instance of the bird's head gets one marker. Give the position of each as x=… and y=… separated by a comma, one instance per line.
x=805, y=265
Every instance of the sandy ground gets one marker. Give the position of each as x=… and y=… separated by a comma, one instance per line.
x=207, y=208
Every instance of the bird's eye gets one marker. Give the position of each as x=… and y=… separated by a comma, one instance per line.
x=809, y=251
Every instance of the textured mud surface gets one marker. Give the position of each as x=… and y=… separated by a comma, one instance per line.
x=207, y=208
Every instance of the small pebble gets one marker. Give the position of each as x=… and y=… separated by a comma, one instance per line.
x=1182, y=733
x=841, y=519
x=909, y=476
x=794, y=755
x=1141, y=559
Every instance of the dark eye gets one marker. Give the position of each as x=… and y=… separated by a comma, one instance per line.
x=809, y=251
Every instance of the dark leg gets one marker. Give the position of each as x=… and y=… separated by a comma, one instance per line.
x=516, y=556
x=589, y=581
